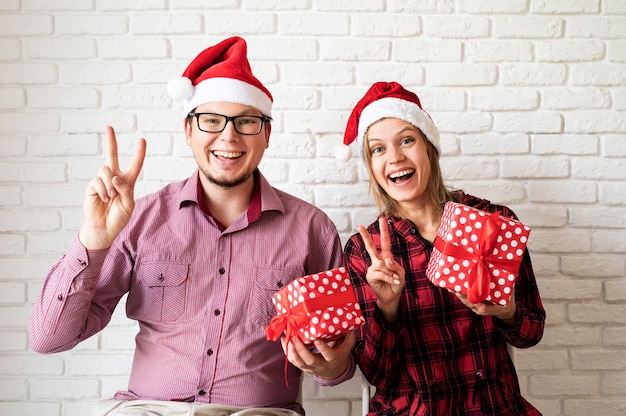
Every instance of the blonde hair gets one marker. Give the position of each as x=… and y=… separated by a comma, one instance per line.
x=438, y=192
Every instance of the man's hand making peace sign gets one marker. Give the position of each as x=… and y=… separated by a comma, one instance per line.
x=385, y=276
x=109, y=198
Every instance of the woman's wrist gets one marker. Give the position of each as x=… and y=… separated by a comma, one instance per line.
x=389, y=310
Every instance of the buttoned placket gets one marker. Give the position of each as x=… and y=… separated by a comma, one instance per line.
x=215, y=315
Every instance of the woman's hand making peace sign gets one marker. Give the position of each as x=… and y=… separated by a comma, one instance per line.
x=109, y=198
x=385, y=276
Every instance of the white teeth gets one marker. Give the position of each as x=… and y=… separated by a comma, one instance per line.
x=401, y=173
x=229, y=155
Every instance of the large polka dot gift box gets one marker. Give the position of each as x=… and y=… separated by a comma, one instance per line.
x=477, y=253
x=318, y=306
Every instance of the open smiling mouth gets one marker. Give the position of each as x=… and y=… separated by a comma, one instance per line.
x=226, y=155
x=401, y=176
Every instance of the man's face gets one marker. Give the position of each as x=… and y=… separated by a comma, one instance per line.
x=227, y=158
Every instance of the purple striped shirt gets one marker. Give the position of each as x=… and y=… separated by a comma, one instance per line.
x=202, y=296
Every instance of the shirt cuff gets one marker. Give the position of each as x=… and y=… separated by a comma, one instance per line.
x=347, y=375
x=379, y=318
x=87, y=263
x=505, y=328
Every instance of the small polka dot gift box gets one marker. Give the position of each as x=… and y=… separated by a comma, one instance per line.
x=477, y=253
x=318, y=306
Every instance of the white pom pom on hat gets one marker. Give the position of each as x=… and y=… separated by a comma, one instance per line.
x=221, y=73
x=387, y=100
x=343, y=153
x=180, y=88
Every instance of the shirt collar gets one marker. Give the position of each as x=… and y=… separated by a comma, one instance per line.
x=264, y=196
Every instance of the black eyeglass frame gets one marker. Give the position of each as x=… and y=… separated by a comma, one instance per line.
x=264, y=119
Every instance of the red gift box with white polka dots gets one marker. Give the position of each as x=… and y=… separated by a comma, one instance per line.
x=477, y=253
x=318, y=306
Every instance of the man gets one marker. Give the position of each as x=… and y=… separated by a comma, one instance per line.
x=199, y=260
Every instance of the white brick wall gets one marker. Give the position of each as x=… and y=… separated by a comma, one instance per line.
x=530, y=97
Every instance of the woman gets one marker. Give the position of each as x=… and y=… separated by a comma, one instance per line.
x=427, y=351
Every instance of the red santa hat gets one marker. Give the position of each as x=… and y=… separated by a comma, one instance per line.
x=221, y=73
x=386, y=100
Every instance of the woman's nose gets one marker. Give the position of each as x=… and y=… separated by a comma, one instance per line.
x=395, y=155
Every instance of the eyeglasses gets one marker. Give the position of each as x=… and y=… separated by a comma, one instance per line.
x=216, y=123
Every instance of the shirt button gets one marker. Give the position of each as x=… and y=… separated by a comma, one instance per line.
x=479, y=374
x=222, y=270
x=216, y=312
x=161, y=278
x=209, y=352
x=60, y=297
x=201, y=393
x=413, y=231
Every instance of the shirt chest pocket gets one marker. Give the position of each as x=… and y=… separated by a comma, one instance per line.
x=158, y=292
x=267, y=282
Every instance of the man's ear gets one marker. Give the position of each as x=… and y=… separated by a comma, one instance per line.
x=188, y=128
x=268, y=131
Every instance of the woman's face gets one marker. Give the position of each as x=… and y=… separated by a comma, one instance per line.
x=399, y=160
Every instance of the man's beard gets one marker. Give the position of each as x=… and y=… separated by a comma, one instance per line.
x=230, y=183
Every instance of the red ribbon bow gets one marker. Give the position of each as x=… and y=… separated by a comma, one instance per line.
x=478, y=276
x=298, y=316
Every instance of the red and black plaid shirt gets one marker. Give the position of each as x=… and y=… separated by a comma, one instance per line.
x=440, y=358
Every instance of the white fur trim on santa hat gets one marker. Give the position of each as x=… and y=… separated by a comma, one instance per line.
x=229, y=90
x=391, y=107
